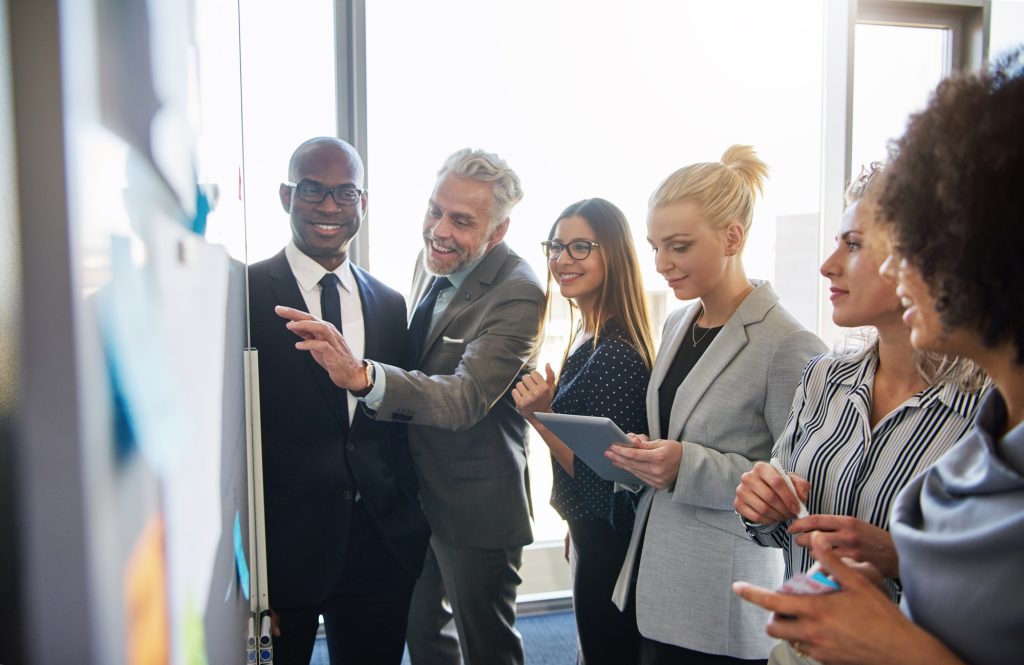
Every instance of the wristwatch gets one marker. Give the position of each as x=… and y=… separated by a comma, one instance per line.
x=371, y=372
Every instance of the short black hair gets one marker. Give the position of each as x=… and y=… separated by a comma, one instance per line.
x=953, y=195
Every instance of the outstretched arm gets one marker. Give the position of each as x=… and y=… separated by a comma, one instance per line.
x=327, y=346
x=489, y=362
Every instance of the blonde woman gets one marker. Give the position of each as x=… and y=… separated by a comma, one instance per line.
x=605, y=372
x=720, y=393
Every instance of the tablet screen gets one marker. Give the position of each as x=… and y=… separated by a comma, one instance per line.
x=588, y=437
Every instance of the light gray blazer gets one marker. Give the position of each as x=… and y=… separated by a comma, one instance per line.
x=727, y=413
x=467, y=439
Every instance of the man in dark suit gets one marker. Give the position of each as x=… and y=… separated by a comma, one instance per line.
x=471, y=338
x=345, y=534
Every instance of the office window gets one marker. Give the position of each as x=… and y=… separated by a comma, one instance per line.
x=1007, y=26
x=895, y=69
x=604, y=99
x=288, y=95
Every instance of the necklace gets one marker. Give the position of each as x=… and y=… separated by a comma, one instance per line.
x=693, y=330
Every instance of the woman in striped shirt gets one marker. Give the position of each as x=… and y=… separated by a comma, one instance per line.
x=863, y=423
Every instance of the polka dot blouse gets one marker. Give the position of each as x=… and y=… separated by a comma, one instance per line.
x=610, y=381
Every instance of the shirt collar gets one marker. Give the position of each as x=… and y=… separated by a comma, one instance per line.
x=1004, y=468
x=854, y=369
x=963, y=403
x=457, y=278
x=308, y=272
x=858, y=373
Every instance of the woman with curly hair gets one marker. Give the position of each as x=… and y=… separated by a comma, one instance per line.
x=954, y=199
x=604, y=373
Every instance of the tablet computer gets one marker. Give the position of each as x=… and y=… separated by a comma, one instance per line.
x=588, y=437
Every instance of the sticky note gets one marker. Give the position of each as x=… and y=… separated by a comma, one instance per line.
x=240, y=562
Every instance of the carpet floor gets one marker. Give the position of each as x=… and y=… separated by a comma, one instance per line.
x=548, y=639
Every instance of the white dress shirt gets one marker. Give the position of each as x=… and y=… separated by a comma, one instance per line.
x=308, y=274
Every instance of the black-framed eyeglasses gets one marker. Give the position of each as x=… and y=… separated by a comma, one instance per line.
x=577, y=249
x=311, y=191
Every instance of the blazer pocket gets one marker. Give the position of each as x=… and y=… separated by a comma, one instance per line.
x=726, y=520
x=444, y=358
x=480, y=468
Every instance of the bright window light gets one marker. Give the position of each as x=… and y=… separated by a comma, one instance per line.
x=596, y=98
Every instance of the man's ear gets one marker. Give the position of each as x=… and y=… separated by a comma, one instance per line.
x=285, y=192
x=364, y=203
x=499, y=233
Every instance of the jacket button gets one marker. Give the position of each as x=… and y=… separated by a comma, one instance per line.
x=347, y=494
x=350, y=447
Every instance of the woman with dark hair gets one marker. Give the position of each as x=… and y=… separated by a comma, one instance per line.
x=954, y=200
x=604, y=373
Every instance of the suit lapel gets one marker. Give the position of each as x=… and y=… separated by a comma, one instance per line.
x=372, y=342
x=286, y=292
x=420, y=283
x=473, y=287
x=669, y=347
x=729, y=341
x=726, y=345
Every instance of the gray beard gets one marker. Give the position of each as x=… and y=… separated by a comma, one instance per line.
x=465, y=260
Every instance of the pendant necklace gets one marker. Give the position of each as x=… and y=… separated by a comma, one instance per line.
x=693, y=330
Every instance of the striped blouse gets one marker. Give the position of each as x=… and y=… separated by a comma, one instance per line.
x=852, y=468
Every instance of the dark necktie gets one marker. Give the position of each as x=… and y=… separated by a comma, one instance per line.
x=330, y=300
x=420, y=325
x=330, y=311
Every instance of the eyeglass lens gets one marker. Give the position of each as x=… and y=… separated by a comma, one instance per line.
x=314, y=192
x=577, y=249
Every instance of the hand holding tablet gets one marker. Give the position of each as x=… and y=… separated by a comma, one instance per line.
x=588, y=437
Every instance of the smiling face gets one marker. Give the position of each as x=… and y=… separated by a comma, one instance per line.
x=457, y=226
x=578, y=279
x=323, y=231
x=927, y=333
x=690, y=254
x=860, y=295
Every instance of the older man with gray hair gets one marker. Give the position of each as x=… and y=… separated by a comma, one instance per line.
x=472, y=335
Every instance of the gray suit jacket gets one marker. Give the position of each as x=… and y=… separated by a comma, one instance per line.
x=727, y=413
x=468, y=442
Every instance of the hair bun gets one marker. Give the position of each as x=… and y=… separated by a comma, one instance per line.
x=744, y=162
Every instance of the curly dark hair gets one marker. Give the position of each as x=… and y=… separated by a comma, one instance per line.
x=953, y=194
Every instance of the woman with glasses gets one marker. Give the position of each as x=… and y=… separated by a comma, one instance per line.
x=864, y=422
x=952, y=197
x=604, y=373
x=719, y=397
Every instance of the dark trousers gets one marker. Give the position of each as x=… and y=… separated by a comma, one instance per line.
x=606, y=635
x=659, y=653
x=364, y=616
x=464, y=607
